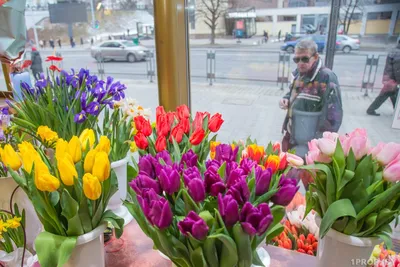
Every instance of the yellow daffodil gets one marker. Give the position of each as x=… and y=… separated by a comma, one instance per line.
x=86, y=138
x=47, y=182
x=101, y=166
x=74, y=149
x=89, y=161
x=3, y=226
x=10, y=158
x=104, y=145
x=46, y=134
x=133, y=147
x=67, y=171
x=61, y=148
x=91, y=186
x=14, y=222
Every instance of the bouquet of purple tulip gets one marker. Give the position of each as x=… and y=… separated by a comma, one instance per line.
x=212, y=213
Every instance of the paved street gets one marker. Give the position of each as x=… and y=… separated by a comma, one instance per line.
x=251, y=110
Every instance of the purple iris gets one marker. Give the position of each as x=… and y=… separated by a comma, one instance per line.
x=42, y=83
x=93, y=108
x=83, y=100
x=80, y=117
x=5, y=111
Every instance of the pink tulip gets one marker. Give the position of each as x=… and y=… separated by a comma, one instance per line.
x=359, y=145
x=331, y=136
x=245, y=154
x=388, y=153
x=313, y=145
x=391, y=173
x=317, y=156
x=294, y=160
x=327, y=146
x=375, y=150
x=358, y=132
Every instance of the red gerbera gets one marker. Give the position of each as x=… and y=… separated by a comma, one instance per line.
x=54, y=58
x=54, y=68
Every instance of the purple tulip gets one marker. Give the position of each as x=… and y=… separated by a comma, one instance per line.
x=197, y=190
x=286, y=192
x=235, y=176
x=146, y=165
x=164, y=155
x=80, y=117
x=170, y=179
x=230, y=166
x=247, y=165
x=225, y=152
x=263, y=180
x=240, y=191
x=142, y=181
x=213, y=164
x=229, y=209
x=190, y=174
x=255, y=220
x=213, y=182
x=145, y=199
x=193, y=224
x=93, y=108
x=189, y=159
x=160, y=213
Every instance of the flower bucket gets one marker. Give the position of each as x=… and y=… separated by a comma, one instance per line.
x=115, y=203
x=33, y=225
x=337, y=249
x=305, y=126
x=89, y=250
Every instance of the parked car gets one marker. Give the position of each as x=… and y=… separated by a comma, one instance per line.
x=119, y=50
x=346, y=44
x=318, y=39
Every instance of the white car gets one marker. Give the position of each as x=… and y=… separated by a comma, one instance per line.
x=119, y=50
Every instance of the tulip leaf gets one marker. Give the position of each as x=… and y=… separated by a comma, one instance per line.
x=243, y=244
x=338, y=209
x=347, y=177
x=177, y=152
x=84, y=214
x=351, y=161
x=256, y=259
x=197, y=258
x=70, y=209
x=135, y=210
x=210, y=252
x=386, y=238
x=132, y=172
x=330, y=181
x=276, y=230
x=54, y=198
x=207, y=217
x=340, y=224
x=221, y=170
x=350, y=227
x=229, y=252
x=18, y=179
x=221, y=222
x=381, y=201
x=189, y=202
x=116, y=221
x=357, y=194
x=278, y=212
x=364, y=170
x=264, y=198
x=321, y=199
x=339, y=159
x=194, y=242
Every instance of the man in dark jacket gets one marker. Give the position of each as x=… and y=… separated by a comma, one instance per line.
x=315, y=89
x=36, y=66
x=391, y=81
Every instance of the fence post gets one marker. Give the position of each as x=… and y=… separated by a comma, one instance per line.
x=283, y=69
x=369, y=77
x=211, y=66
x=150, y=66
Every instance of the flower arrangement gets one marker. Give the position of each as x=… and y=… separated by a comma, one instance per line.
x=356, y=188
x=382, y=257
x=177, y=132
x=68, y=103
x=209, y=212
x=69, y=192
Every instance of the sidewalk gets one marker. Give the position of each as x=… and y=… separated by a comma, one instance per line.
x=253, y=110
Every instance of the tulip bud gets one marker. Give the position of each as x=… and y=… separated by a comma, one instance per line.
x=146, y=165
x=160, y=213
x=272, y=162
x=47, y=182
x=194, y=225
x=10, y=158
x=28, y=155
x=215, y=122
x=141, y=141
x=86, y=138
x=240, y=191
x=391, y=172
x=229, y=209
x=197, y=190
x=143, y=182
x=247, y=165
x=61, y=148
x=104, y=145
x=213, y=182
x=101, y=166
x=189, y=159
x=255, y=220
x=67, y=171
x=74, y=149
x=286, y=191
x=169, y=180
x=91, y=186
x=263, y=180
x=224, y=152
x=89, y=160
x=161, y=143
x=183, y=112
x=255, y=152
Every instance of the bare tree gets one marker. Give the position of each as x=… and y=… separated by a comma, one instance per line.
x=347, y=15
x=211, y=11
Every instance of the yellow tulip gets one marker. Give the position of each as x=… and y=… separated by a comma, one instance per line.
x=67, y=171
x=28, y=155
x=74, y=149
x=47, y=182
x=46, y=134
x=91, y=186
x=1, y=152
x=25, y=146
x=10, y=158
x=61, y=148
x=101, y=167
x=40, y=167
x=87, y=136
x=89, y=161
x=104, y=145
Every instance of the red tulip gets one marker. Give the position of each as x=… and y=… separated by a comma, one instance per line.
x=143, y=125
x=183, y=112
x=177, y=133
x=185, y=125
x=215, y=122
x=162, y=125
x=198, y=121
x=161, y=143
x=141, y=141
x=197, y=137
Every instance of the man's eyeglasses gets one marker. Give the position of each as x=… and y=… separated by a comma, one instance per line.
x=302, y=59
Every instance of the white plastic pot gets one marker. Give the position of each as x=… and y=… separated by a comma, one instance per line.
x=89, y=250
x=340, y=250
x=115, y=203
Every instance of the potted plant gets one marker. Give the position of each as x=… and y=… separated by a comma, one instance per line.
x=66, y=102
x=70, y=193
x=356, y=194
x=119, y=126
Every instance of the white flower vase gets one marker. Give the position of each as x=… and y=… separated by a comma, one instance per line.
x=89, y=250
x=33, y=225
x=115, y=204
x=337, y=249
